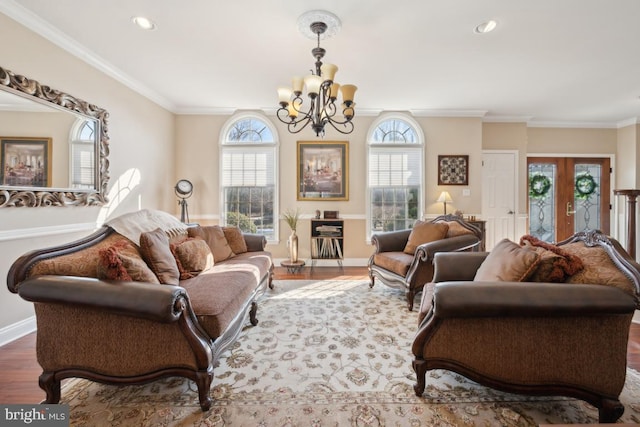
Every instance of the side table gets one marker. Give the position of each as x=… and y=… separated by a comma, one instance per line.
x=292, y=267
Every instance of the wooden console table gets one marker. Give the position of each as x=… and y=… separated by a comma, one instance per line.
x=631, y=218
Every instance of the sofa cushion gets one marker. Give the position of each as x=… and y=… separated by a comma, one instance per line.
x=456, y=229
x=193, y=256
x=235, y=239
x=508, y=262
x=122, y=261
x=214, y=236
x=555, y=265
x=397, y=262
x=598, y=269
x=154, y=247
x=425, y=232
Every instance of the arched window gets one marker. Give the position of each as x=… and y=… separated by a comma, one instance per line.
x=83, y=154
x=395, y=173
x=248, y=177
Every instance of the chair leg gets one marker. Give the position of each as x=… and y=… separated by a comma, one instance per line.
x=610, y=411
x=420, y=368
x=372, y=281
x=51, y=386
x=411, y=294
x=252, y=313
x=203, y=381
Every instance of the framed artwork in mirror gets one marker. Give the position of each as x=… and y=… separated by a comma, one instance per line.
x=26, y=162
x=453, y=170
x=323, y=170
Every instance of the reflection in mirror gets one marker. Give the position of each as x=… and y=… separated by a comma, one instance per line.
x=54, y=147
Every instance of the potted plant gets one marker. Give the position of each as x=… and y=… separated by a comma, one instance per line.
x=291, y=218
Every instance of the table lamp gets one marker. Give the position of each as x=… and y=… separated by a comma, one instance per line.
x=445, y=198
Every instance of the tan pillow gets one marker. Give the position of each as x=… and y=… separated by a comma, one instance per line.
x=214, y=236
x=425, y=232
x=598, y=269
x=122, y=261
x=457, y=229
x=154, y=247
x=235, y=239
x=193, y=256
x=556, y=265
x=508, y=262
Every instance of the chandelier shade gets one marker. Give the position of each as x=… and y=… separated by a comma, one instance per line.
x=320, y=106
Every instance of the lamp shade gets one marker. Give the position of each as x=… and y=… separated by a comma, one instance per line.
x=445, y=197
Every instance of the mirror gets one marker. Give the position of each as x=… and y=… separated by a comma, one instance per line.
x=53, y=147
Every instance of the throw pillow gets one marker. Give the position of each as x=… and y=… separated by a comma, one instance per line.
x=507, y=262
x=598, y=269
x=193, y=256
x=122, y=261
x=214, y=236
x=556, y=265
x=457, y=229
x=154, y=247
x=235, y=239
x=425, y=232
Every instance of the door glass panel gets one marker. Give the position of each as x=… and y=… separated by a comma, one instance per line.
x=542, y=221
x=587, y=200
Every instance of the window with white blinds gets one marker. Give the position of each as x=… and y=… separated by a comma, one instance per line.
x=248, y=176
x=395, y=175
x=83, y=155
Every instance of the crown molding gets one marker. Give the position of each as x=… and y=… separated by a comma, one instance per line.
x=578, y=125
x=628, y=122
x=36, y=24
x=506, y=119
x=448, y=113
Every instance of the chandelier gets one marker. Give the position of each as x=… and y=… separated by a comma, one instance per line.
x=322, y=91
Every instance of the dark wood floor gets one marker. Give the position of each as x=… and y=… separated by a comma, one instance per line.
x=19, y=369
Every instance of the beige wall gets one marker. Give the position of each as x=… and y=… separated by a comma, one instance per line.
x=141, y=154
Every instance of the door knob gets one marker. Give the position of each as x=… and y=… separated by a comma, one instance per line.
x=510, y=212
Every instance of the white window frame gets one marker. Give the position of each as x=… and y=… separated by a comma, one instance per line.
x=224, y=144
x=418, y=146
x=76, y=143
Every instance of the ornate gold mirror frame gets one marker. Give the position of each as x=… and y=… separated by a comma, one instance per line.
x=42, y=196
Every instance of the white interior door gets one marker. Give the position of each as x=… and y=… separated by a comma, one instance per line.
x=499, y=195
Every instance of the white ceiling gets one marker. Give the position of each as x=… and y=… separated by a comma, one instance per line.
x=562, y=62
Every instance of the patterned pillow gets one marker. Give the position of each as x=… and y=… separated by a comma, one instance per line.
x=236, y=240
x=598, y=269
x=508, y=262
x=214, y=236
x=425, y=232
x=122, y=261
x=193, y=256
x=556, y=265
x=155, y=250
x=456, y=229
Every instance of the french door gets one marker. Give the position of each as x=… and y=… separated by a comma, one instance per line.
x=567, y=195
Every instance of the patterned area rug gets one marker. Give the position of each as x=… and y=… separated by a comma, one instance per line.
x=327, y=353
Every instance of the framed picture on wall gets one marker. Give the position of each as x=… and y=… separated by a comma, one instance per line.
x=453, y=170
x=323, y=170
x=26, y=162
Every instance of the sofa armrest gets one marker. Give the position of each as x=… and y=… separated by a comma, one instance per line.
x=255, y=242
x=456, y=266
x=391, y=241
x=161, y=303
x=427, y=251
x=517, y=299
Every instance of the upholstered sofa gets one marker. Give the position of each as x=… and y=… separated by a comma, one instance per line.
x=143, y=297
x=403, y=259
x=533, y=318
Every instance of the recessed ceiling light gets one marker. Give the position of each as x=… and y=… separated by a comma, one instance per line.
x=144, y=23
x=486, y=27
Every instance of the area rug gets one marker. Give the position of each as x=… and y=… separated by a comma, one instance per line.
x=327, y=353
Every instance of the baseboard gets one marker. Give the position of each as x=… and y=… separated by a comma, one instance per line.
x=17, y=330
x=636, y=316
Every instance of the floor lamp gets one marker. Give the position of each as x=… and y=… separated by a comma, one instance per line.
x=445, y=198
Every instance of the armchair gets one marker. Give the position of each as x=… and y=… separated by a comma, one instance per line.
x=567, y=339
x=396, y=266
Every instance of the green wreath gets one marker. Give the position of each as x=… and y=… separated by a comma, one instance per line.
x=585, y=186
x=539, y=186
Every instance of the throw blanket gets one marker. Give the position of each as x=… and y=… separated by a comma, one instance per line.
x=132, y=225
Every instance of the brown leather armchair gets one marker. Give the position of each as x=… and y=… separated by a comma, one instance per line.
x=567, y=339
x=398, y=269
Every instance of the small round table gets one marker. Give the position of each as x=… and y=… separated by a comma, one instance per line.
x=292, y=267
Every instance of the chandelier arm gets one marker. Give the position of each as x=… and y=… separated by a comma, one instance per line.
x=348, y=124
